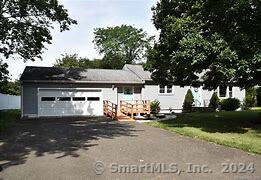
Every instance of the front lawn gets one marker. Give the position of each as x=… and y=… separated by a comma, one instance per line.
x=8, y=117
x=241, y=130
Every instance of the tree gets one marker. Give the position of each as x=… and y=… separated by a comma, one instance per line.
x=188, y=101
x=126, y=42
x=72, y=60
x=112, y=61
x=9, y=87
x=214, y=101
x=207, y=42
x=24, y=26
x=3, y=72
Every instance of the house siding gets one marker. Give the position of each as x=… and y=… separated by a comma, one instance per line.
x=239, y=93
x=136, y=95
x=173, y=101
x=30, y=100
x=30, y=94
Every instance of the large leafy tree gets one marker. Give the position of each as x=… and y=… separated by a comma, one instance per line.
x=72, y=60
x=3, y=71
x=6, y=86
x=207, y=42
x=125, y=42
x=9, y=87
x=25, y=26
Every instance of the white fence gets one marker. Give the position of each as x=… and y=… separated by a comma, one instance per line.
x=9, y=101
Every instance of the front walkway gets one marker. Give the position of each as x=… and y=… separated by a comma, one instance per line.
x=68, y=149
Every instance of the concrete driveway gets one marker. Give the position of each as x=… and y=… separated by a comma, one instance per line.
x=72, y=148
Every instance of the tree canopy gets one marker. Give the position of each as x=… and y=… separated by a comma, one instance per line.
x=3, y=71
x=72, y=60
x=207, y=42
x=6, y=86
x=25, y=26
x=124, y=42
x=9, y=87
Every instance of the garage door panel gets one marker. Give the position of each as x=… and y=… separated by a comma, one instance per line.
x=78, y=104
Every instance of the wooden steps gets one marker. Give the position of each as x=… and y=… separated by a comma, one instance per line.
x=123, y=117
x=127, y=110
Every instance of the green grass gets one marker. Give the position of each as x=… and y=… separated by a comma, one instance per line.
x=256, y=108
x=8, y=118
x=240, y=130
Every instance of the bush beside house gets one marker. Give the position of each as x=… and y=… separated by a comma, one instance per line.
x=258, y=96
x=214, y=101
x=155, y=107
x=230, y=104
x=188, y=101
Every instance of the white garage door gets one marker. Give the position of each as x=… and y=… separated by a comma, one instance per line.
x=70, y=102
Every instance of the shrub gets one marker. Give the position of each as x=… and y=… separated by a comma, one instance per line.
x=250, y=99
x=214, y=101
x=230, y=104
x=258, y=96
x=155, y=107
x=188, y=101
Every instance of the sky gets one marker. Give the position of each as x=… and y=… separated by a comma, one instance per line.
x=89, y=14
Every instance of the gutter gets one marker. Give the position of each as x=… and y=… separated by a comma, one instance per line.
x=83, y=82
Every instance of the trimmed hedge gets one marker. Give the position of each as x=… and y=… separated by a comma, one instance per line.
x=230, y=104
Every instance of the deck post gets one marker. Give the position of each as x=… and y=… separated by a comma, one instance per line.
x=132, y=111
x=116, y=110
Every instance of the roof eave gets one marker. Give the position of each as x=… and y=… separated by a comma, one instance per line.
x=83, y=82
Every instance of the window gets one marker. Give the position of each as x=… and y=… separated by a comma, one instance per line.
x=169, y=89
x=93, y=98
x=48, y=99
x=230, y=91
x=128, y=91
x=222, y=91
x=64, y=99
x=78, y=98
x=165, y=89
x=162, y=89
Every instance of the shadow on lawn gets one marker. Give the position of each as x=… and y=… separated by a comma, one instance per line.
x=64, y=136
x=218, y=122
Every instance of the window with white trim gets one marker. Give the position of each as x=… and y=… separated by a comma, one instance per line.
x=169, y=89
x=161, y=89
x=165, y=89
x=222, y=91
x=230, y=91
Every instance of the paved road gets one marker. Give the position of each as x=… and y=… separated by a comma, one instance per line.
x=68, y=149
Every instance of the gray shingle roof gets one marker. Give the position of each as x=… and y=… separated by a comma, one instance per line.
x=32, y=73
x=139, y=71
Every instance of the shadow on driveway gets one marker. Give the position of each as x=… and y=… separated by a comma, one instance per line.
x=56, y=135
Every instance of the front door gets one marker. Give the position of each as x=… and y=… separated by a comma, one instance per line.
x=128, y=93
x=196, y=91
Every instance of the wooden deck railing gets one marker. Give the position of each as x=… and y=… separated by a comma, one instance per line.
x=135, y=107
x=110, y=109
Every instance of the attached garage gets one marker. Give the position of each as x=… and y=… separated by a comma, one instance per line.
x=70, y=102
x=56, y=91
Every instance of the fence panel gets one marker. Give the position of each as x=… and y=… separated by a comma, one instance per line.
x=9, y=101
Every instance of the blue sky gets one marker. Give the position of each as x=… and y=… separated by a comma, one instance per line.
x=90, y=14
